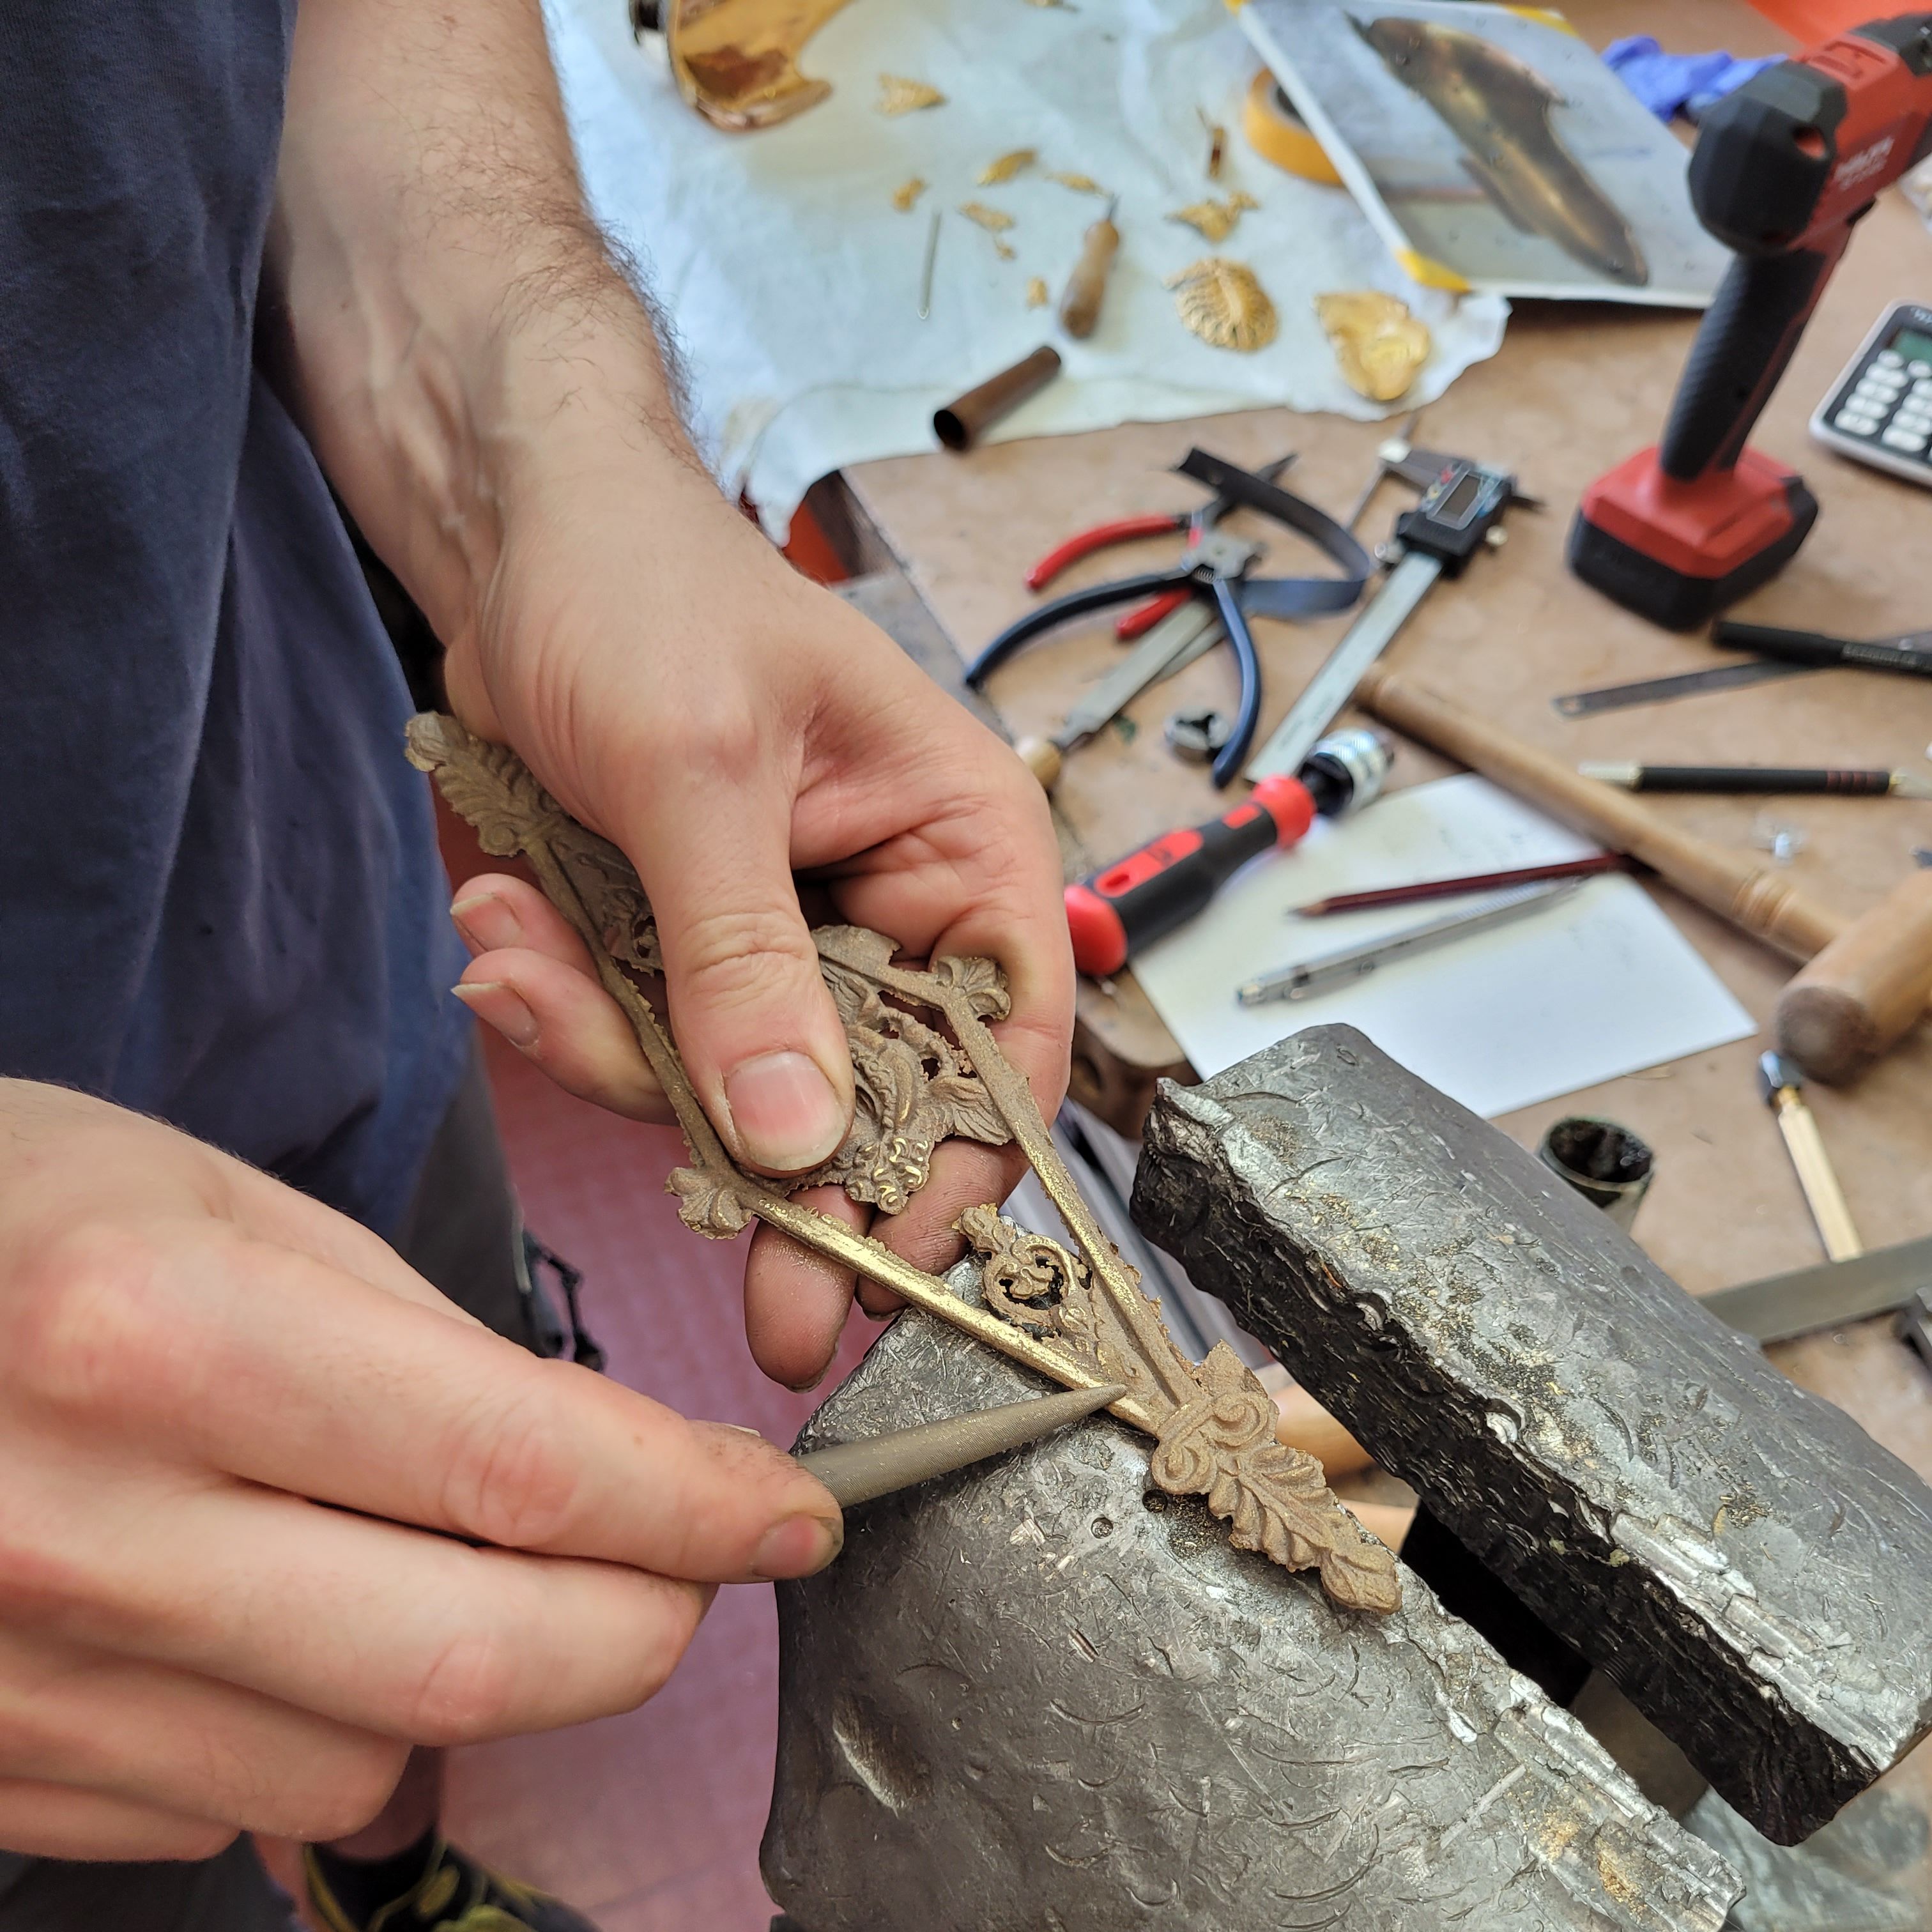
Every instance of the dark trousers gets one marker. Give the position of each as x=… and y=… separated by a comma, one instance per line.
x=463, y=1234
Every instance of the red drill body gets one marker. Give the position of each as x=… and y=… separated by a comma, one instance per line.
x=1783, y=170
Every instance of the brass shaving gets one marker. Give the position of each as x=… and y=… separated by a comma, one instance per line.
x=898, y=95
x=1215, y=220
x=994, y=220
x=1007, y=166
x=1079, y=184
x=1223, y=303
x=1036, y=292
x=1004, y=250
x=907, y=193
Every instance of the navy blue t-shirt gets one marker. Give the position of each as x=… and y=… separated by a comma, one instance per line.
x=220, y=897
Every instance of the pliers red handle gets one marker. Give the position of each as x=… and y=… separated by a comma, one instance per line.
x=1103, y=536
x=1194, y=524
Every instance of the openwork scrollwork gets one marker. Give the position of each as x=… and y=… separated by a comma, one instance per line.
x=925, y=1069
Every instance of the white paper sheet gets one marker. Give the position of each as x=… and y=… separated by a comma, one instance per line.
x=1601, y=985
x=792, y=282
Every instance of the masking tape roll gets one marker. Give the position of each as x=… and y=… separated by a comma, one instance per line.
x=1278, y=134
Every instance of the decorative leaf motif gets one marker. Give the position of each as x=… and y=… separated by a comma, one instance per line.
x=1223, y=304
x=707, y=1204
x=981, y=981
x=488, y=785
x=1222, y=1445
x=1379, y=345
x=1039, y=1286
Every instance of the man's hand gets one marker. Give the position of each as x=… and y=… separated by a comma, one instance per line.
x=274, y=1511
x=486, y=392
x=762, y=729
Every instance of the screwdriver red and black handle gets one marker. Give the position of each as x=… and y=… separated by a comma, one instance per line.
x=1114, y=912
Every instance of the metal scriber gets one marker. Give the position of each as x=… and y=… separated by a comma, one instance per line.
x=1330, y=970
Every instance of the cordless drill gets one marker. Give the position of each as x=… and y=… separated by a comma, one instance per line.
x=1783, y=170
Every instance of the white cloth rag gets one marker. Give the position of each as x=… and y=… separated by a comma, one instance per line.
x=791, y=282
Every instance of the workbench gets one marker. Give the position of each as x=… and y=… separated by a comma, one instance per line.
x=1575, y=387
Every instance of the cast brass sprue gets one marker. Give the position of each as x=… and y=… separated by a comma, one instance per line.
x=1083, y=1322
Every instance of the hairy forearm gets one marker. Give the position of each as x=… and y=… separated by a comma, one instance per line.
x=453, y=332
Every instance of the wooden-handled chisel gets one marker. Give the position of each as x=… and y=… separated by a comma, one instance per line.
x=1080, y=306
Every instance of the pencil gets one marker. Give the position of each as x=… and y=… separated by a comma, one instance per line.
x=1851, y=784
x=1474, y=882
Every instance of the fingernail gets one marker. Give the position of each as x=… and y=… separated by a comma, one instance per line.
x=786, y=1116
x=500, y=1006
x=486, y=923
x=797, y=1547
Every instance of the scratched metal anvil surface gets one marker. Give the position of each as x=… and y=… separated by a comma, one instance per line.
x=1042, y=1696
x=1752, y=1569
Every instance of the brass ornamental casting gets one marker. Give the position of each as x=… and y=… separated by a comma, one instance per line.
x=1081, y=1320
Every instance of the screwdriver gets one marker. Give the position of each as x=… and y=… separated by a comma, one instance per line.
x=1080, y=306
x=1781, y=1081
x=1114, y=912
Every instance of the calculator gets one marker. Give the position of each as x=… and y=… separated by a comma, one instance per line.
x=1880, y=410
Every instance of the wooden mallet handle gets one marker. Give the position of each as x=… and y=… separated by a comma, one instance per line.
x=1733, y=886
x=1870, y=980
x=1865, y=990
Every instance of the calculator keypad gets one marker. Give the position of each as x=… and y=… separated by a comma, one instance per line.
x=1888, y=405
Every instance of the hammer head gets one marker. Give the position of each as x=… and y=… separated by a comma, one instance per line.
x=1752, y=1569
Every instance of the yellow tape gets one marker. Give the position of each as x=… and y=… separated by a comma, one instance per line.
x=1278, y=134
x=1430, y=273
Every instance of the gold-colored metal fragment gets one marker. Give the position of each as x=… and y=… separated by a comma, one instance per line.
x=907, y=193
x=1215, y=220
x=1004, y=250
x=1378, y=344
x=1079, y=184
x=1224, y=304
x=736, y=60
x=1215, y=1431
x=994, y=220
x=1036, y=295
x=1007, y=166
x=1082, y=1321
x=898, y=95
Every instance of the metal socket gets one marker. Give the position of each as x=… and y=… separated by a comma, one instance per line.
x=1606, y=1164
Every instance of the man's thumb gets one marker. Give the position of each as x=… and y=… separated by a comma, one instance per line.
x=760, y=1036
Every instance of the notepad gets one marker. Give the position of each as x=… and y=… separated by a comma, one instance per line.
x=1603, y=984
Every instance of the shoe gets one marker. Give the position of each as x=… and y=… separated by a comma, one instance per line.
x=454, y=1894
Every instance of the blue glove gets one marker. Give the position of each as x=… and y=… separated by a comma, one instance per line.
x=1673, y=84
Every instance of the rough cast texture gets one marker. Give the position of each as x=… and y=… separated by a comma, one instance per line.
x=1034, y=1698
x=1752, y=1569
